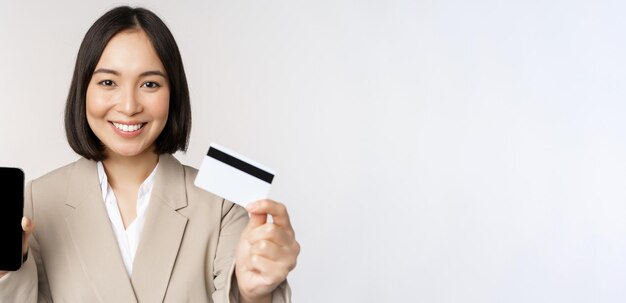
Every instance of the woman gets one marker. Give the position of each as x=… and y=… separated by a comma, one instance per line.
x=125, y=222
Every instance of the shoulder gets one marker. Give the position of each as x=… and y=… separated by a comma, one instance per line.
x=46, y=196
x=59, y=173
x=196, y=194
x=190, y=172
x=58, y=179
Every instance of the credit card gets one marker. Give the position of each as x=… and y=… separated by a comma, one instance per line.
x=233, y=176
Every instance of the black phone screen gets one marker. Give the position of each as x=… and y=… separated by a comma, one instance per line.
x=11, y=212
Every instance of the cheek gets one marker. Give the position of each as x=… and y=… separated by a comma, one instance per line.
x=94, y=105
x=160, y=106
x=91, y=109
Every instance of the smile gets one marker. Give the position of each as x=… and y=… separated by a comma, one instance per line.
x=128, y=127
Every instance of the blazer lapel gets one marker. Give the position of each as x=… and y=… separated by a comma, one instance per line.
x=93, y=237
x=162, y=232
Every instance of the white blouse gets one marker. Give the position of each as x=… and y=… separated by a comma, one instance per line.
x=127, y=239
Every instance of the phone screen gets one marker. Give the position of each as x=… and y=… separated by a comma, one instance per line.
x=11, y=212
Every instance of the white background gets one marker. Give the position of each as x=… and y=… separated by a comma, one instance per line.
x=428, y=151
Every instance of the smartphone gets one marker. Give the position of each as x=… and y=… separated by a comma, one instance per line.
x=11, y=212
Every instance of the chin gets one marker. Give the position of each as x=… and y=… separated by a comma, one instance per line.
x=127, y=152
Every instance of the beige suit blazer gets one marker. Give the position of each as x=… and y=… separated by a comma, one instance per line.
x=186, y=251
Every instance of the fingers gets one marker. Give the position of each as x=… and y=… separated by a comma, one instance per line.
x=272, y=272
x=270, y=232
x=256, y=220
x=274, y=243
x=265, y=248
x=277, y=210
x=267, y=252
x=285, y=256
x=28, y=226
x=280, y=232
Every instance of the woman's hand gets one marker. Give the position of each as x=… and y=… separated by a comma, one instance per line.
x=27, y=226
x=267, y=251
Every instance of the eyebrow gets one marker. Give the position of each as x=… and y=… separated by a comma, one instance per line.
x=153, y=73
x=116, y=73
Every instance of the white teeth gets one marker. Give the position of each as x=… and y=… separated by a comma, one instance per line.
x=128, y=128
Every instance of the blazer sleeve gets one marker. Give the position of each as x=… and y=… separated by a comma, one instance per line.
x=28, y=284
x=234, y=220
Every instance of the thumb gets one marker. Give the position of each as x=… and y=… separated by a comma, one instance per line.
x=256, y=220
x=27, y=226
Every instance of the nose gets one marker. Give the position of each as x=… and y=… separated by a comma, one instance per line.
x=129, y=103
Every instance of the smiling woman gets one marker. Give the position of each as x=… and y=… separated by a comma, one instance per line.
x=125, y=223
x=128, y=96
x=111, y=52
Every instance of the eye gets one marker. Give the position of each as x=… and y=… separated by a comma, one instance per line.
x=106, y=83
x=151, y=84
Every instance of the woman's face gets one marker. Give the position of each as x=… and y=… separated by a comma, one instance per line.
x=128, y=95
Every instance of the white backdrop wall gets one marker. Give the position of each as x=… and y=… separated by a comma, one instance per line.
x=428, y=151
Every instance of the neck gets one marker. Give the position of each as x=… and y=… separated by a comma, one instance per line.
x=131, y=171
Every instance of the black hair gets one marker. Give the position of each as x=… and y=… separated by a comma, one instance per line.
x=175, y=135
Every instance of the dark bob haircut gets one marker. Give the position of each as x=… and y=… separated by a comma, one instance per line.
x=175, y=135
